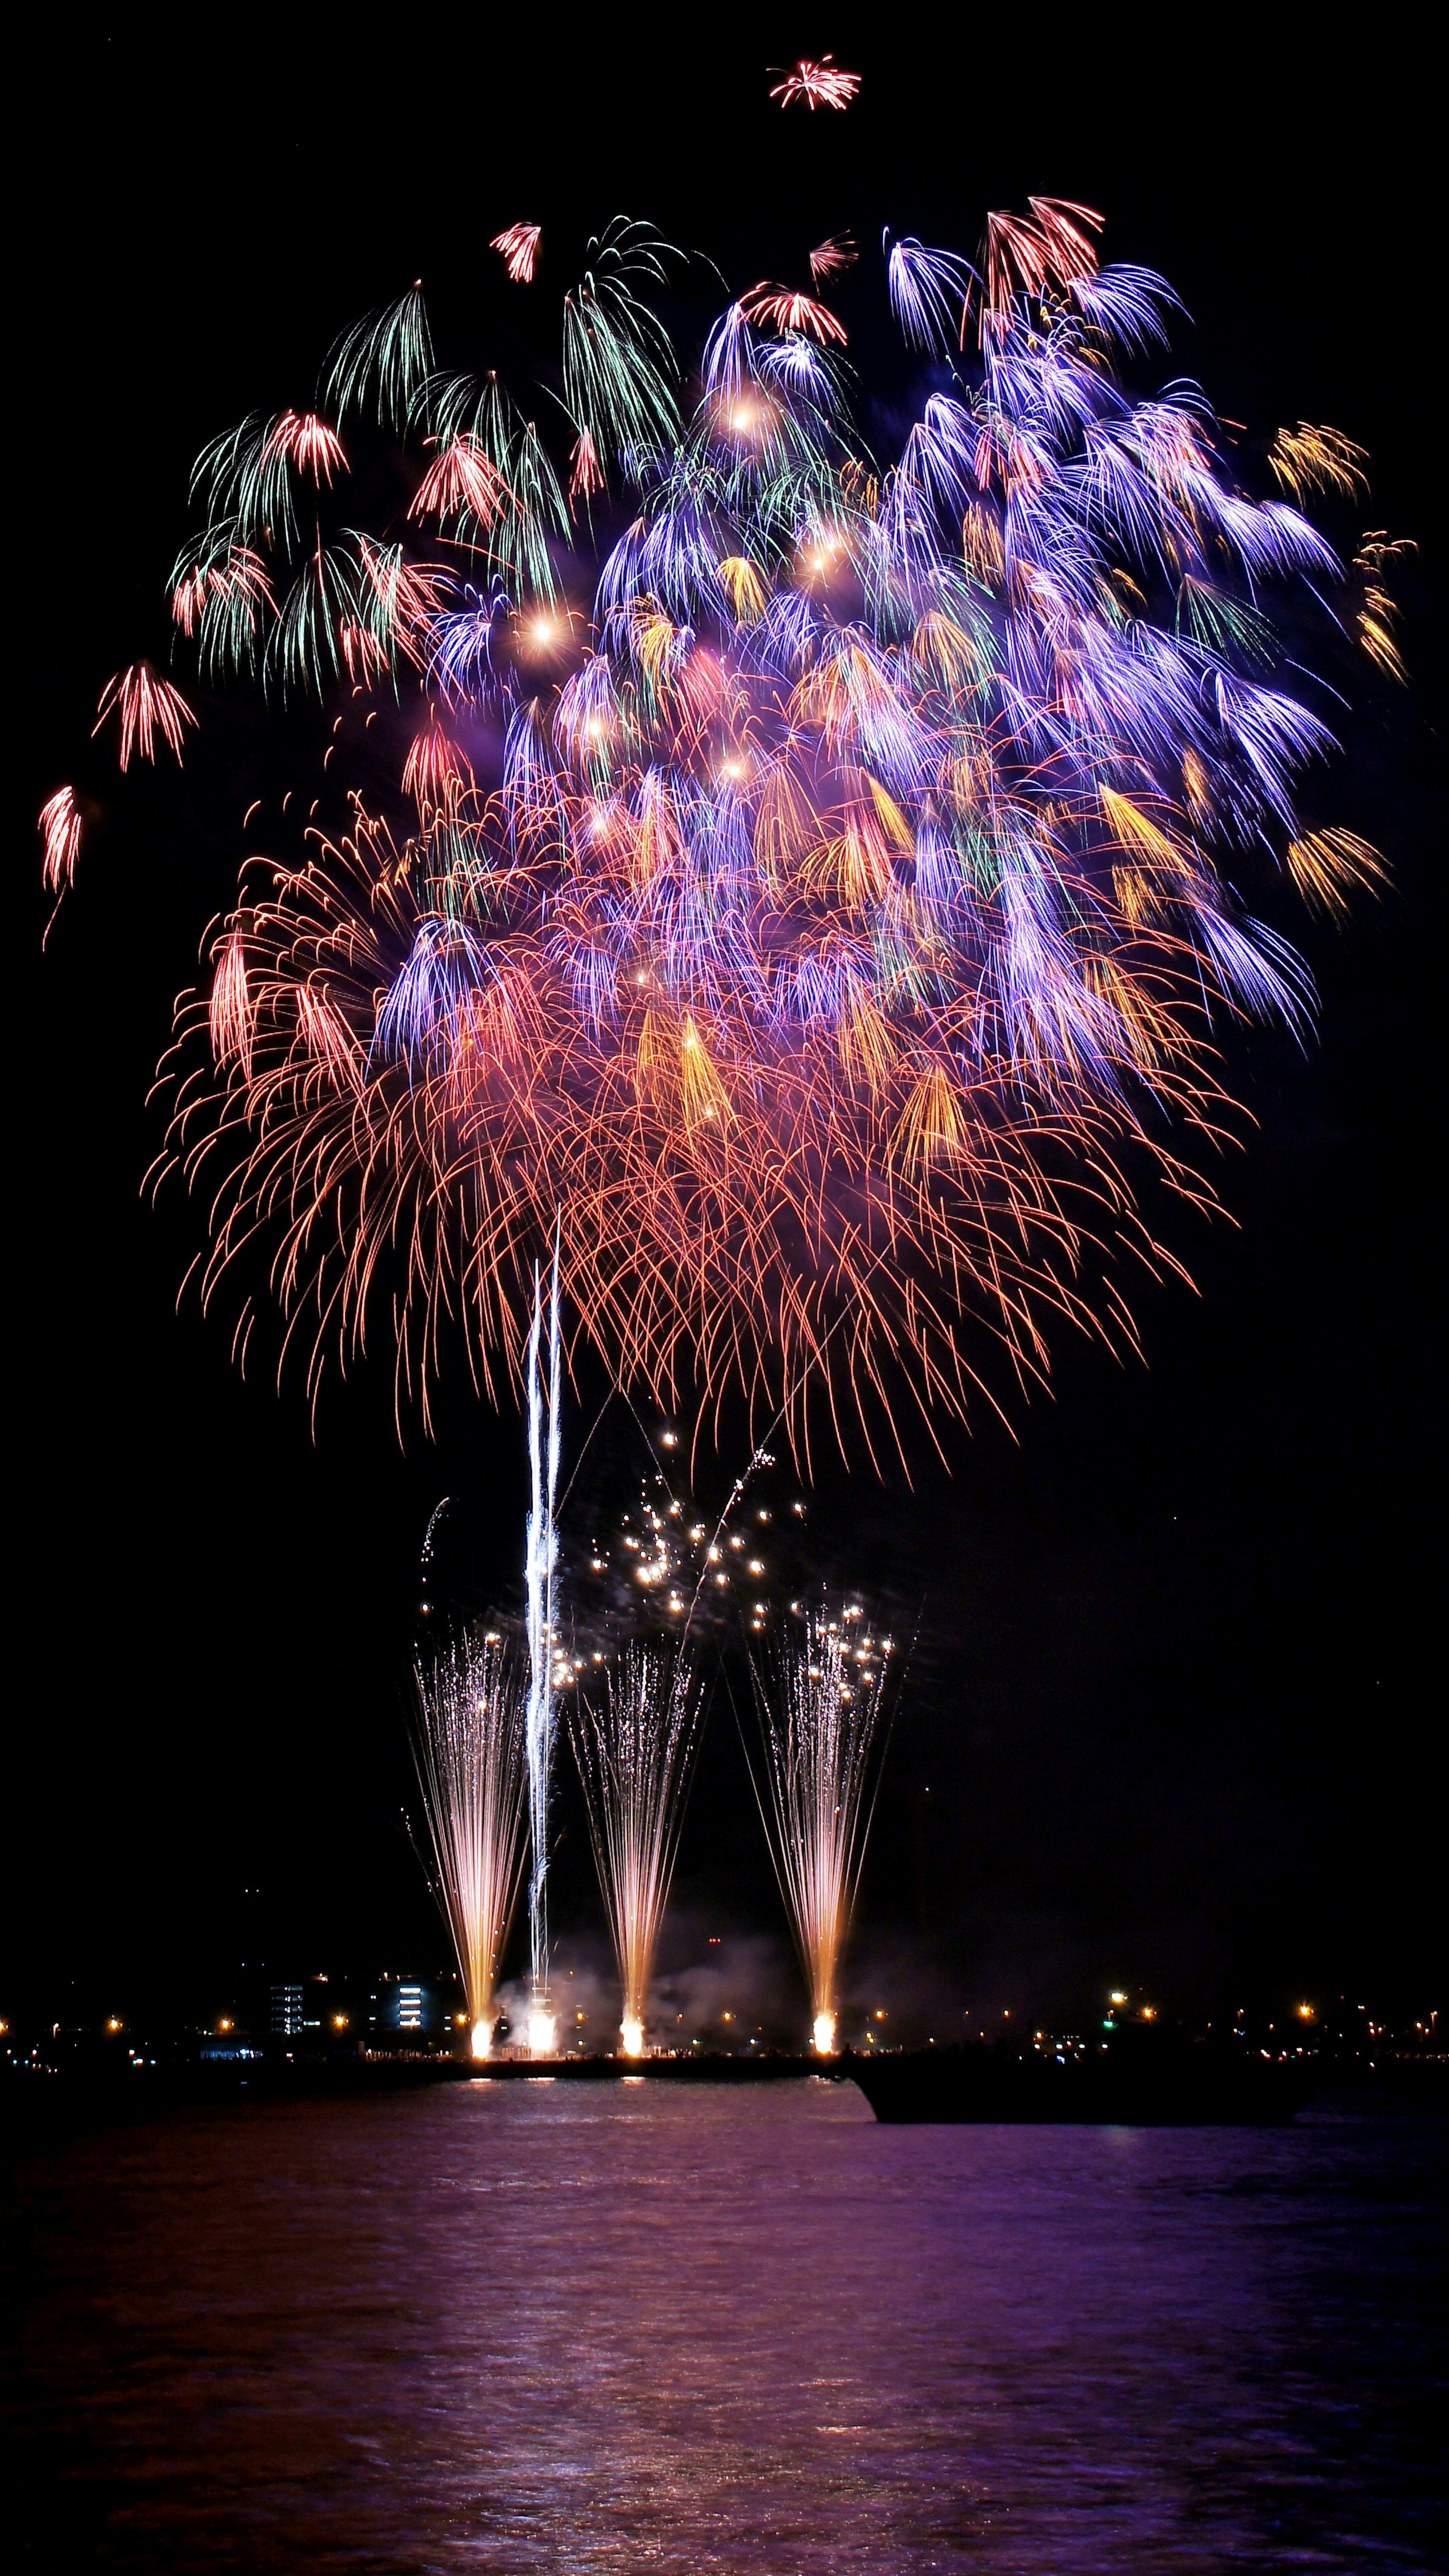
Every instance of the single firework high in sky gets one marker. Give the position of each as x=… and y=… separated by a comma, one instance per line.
x=819, y=1697
x=812, y=880
x=469, y=1750
x=633, y=1741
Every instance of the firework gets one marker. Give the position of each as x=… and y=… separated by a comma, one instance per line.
x=792, y=314
x=819, y=1700
x=634, y=1748
x=1378, y=612
x=469, y=1752
x=808, y=898
x=1306, y=460
x=146, y=706
x=831, y=258
x=540, y=1570
x=60, y=830
x=518, y=247
x=820, y=84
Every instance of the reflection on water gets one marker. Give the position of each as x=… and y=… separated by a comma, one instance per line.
x=637, y=2328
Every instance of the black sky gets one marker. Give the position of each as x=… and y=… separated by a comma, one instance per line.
x=1172, y=1707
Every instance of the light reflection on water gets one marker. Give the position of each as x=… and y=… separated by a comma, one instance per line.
x=575, y=2327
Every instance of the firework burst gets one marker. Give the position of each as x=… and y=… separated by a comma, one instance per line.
x=813, y=85
x=811, y=887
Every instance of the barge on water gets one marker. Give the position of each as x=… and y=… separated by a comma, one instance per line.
x=1186, y=2086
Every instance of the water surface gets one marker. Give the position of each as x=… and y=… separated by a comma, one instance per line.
x=634, y=2327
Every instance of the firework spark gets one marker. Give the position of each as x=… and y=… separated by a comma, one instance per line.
x=634, y=1748
x=147, y=706
x=820, y=84
x=1379, y=611
x=819, y=1700
x=541, y=1570
x=832, y=258
x=59, y=824
x=792, y=313
x=469, y=1753
x=1306, y=460
x=813, y=934
x=519, y=249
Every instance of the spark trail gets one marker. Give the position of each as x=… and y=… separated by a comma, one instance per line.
x=469, y=1754
x=819, y=1701
x=634, y=1746
x=540, y=1569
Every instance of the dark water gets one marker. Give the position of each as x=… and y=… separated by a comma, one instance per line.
x=629, y=2327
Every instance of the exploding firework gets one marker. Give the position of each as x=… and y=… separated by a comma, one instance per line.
x=820, y=84
x=634, y=1746
x=470, y=1759
x=820, y=1703
x=810, y=888
x=519, y=249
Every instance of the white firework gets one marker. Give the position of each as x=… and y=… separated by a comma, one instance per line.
x=820, y=1704
x=634, y=1750
x=470, y=1759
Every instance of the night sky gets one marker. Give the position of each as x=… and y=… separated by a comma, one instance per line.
x=1170, y=1713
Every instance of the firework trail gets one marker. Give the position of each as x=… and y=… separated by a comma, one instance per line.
x=812, y=878
x=819, y=1700
x=469, y=1754
x=147, y=707
x=540, y=1570
x=518, y=247
x=634, y=1750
